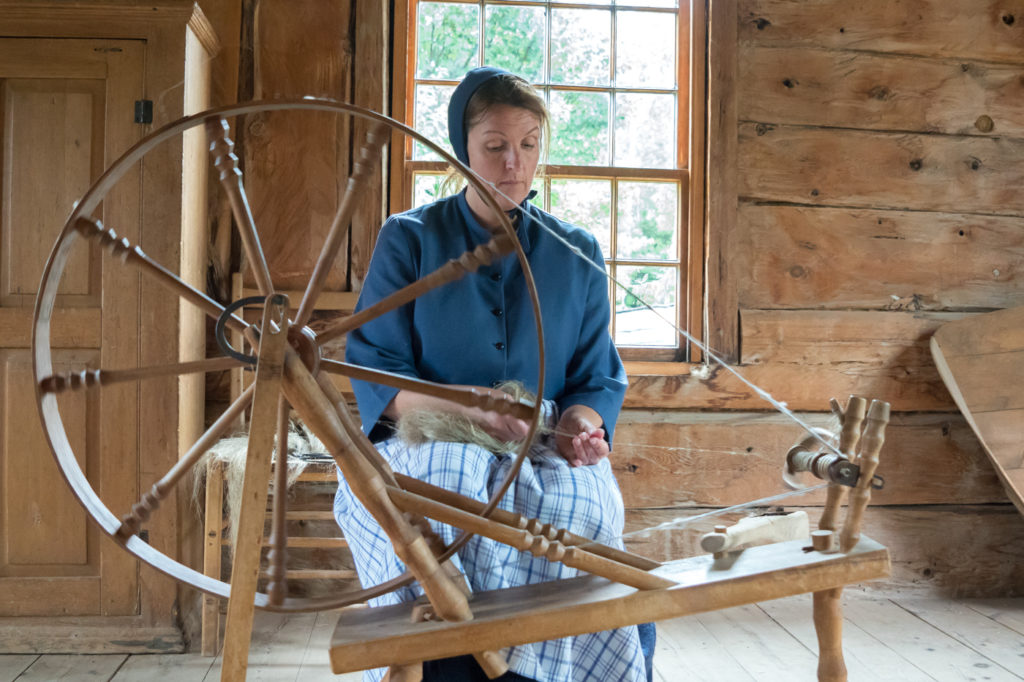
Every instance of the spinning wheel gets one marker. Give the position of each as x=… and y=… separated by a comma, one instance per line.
x=292, y=374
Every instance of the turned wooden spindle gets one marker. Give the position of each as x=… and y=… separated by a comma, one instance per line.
x=513, y=520
x=871, y=445
x=367, y=160
x=141, y=511
x=470, y=396
x=90, y=378
x=134, y=256
x=849, y=435
x=455, y=269
x=222, y=149
x=522, y=539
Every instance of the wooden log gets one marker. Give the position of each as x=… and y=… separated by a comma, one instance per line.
x=819, y=337
x=800, y=257
x=967, y=174
x=670, y=386
x=677, y=459
x=927, y=543
x=803, y=86
x=979, y=29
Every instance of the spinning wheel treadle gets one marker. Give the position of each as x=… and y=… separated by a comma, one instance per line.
x=291, y=374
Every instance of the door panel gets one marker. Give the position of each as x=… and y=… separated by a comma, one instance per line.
x=66, y=108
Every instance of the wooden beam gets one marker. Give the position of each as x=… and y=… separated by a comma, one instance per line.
x=979, y=29
x=825, y=166
x=807, y=257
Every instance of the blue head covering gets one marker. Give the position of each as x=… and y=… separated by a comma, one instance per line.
x=457, y=106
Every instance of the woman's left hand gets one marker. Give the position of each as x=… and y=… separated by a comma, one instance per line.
x=578, y=439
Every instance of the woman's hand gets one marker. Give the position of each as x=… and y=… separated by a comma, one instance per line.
x=504, y=427
x=578, y=439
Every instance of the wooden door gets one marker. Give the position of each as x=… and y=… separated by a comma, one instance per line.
x=67, y=112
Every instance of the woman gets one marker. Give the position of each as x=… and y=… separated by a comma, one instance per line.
x=479, y=331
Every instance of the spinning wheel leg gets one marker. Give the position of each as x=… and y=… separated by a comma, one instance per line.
x=245, y=569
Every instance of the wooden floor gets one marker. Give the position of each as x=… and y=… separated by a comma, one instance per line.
x=904, y=639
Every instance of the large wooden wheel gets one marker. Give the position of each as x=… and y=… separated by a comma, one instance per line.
x=290, y=371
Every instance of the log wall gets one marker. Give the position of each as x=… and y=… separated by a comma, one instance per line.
x=868, y=157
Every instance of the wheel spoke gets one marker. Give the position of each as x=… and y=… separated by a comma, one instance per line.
x=88, y=378
x=457, y=268
x=123, y=249
x=222, y=148
x=468, y=396
x=142, y=509
x=368, y=157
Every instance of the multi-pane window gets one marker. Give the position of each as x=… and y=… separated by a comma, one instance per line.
x=615, y=78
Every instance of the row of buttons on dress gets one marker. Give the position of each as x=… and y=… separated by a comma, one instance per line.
x=497, y=312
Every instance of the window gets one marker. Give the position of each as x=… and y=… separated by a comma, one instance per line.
x=616, y=78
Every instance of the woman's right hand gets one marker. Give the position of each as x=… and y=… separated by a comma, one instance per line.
x=504, y=427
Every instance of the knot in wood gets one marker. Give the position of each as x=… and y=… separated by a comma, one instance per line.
x=1008, y=19
x=880, y=92
x=984, y=123
x=915, y=165
x=762, y=23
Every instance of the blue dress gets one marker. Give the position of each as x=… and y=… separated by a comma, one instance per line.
x=480, y=330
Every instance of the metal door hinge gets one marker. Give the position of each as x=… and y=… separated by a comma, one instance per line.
x=143, y=111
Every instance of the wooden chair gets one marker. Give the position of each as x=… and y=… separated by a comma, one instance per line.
x=291, y=374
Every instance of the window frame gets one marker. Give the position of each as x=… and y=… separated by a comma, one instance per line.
x=689, y=171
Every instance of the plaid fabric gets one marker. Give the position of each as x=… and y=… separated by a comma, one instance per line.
x=585, y=500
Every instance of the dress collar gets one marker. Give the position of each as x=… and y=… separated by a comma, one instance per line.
x=522, y=225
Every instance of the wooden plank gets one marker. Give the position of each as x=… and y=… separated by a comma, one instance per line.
x=766, y=651
x=975, y=29
x=811, y=257
x=69, y=328
x=73, y=667
x=804, y=86
x=97, y=635
x=555, y=609
x=295, y=160
x=980, y=361
x=316, y=664
x=929, y=649
x=675, y=387
x=675, y=459
x=866, y=657
x=370, y=90
x=12, y=665
x=278, y=646
x=826, y=166
x=685, y=650
x=721, y=333
x=928, y=545
x=165, y=667
x=881, y=339
x=1001, y=645
x=1007, y=612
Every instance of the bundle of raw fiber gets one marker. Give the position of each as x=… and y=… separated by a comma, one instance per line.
x=231, y=453
x=422, y=426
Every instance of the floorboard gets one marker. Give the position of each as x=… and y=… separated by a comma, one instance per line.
x=12, y=665
x=73, y=667
x=923, y=645
x=900, y=639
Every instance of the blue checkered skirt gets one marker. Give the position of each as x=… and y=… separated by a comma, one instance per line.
x=585, y=500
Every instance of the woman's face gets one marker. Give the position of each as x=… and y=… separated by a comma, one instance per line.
x=504, y=148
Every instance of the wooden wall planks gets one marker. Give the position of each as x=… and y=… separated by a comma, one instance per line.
x=990, y=30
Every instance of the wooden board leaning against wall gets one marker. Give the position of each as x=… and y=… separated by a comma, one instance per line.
x=874, y=196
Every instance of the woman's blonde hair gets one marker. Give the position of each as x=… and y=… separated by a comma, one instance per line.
x=503, y=89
